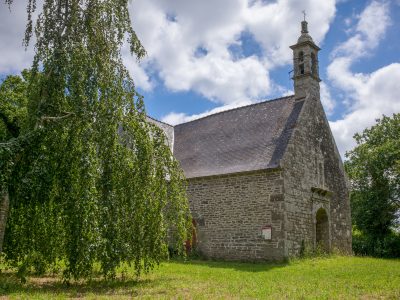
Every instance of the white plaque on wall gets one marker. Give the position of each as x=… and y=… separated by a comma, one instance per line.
x=266, y=232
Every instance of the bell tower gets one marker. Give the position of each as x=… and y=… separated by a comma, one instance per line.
x=305, y=61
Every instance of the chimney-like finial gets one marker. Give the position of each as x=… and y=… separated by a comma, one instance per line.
x=304, y=36
x=304, y=23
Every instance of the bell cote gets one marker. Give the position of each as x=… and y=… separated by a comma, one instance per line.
x=305, y=61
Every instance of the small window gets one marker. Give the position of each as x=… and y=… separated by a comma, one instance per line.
x=301, y=62
x=301, y=56
x=313, y=64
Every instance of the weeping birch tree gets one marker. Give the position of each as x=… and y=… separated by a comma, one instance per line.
x=87, y=178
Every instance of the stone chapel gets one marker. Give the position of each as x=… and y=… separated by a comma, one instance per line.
x=266, y=180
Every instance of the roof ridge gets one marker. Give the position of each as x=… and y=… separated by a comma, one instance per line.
x=235, y=108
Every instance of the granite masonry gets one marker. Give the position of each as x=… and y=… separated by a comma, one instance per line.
x=266, y=180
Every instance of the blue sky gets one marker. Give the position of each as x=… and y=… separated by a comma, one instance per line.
x=206, y=56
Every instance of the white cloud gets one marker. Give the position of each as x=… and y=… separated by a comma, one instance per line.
x=174, y=118
x=348, y=21
x=137, y=70
x=370, y=29
x=326, y=98
x=368, y=96
x=277, y=25
x=13, y=56
x=173, y=31
x=378, y=96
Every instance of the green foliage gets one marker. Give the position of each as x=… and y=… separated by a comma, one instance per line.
x=307, y=250
x=13, y=105
x=373, y=167
x=365, y=245
x=89, y=179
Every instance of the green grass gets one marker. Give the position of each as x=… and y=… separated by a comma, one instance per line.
x=322, y=278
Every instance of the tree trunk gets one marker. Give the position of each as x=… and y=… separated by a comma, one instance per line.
x=4, y=206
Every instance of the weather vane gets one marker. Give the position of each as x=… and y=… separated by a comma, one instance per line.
x=304, y=13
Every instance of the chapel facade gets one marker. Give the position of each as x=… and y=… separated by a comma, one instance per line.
x=266, y=180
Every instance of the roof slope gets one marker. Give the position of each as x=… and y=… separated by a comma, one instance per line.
x=244, y=139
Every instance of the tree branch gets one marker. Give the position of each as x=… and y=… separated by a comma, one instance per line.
x=47, y=118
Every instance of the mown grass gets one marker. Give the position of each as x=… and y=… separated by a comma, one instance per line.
x=321, y=278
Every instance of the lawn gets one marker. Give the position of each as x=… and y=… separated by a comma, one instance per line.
x=322, y=278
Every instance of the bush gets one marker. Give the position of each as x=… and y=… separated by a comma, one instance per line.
x=387, y=246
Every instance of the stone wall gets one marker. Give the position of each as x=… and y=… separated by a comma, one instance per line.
x=230, y=212
x=315, y=178
x=168, y=130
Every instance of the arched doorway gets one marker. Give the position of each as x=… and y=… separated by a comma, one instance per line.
x=322, y=230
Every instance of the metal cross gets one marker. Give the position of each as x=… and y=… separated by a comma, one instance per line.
x=304, y=13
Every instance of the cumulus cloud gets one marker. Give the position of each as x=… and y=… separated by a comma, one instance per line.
x=191, y=46
x=378, y=96
x=173, y=35
x=326, y=99
x=368, y=96
x=371, y=27
x=276, y=25
x=175, y=118
x=141, y=78
x=13, y=56
x=190, y=43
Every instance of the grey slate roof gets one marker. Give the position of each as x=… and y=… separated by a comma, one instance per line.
x=248, y=138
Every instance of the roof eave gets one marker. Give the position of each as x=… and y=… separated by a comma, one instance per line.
x=271, y=169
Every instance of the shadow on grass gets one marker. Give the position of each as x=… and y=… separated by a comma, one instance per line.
x=10, y=284
x=237, y=266
x=53, y=286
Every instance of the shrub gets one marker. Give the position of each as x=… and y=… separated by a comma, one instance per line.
x=387, y=246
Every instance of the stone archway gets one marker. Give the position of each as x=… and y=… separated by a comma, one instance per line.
x=322, y=240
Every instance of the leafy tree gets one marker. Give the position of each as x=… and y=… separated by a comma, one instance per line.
x=13, y=105
x=13, y=116
x=373, y=167
x=87, y=177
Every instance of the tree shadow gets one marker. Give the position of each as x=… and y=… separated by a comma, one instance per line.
x=52, y=285
x=234, y=265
